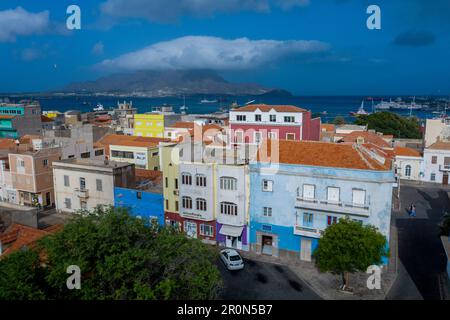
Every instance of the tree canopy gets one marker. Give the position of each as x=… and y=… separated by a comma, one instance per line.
x=119, y=258
x=349, y=246
x=391, y=124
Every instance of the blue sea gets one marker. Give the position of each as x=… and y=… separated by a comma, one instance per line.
x=328, y=106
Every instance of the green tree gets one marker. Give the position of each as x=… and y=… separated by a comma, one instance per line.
x=339, y=120
x=445, y=225
x=349, y=246
x=122, y=258
x=391, y=124
x=21, y=277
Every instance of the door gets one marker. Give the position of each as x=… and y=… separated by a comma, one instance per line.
x=267, y=245
x=445, y=179
x=191, y=229
x=228, y=242
x=305, y=252
x=47, y=199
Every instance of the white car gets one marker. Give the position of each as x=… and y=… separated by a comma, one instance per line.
x=232, y=259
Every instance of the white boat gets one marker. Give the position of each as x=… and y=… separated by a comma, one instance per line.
x=250, y=102
x=183, y=108
x=384, y=105
x=361, y=111
x=99, y=107
x=206, y=101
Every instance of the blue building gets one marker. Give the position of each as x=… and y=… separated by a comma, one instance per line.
x=143, y=204
x=300, y=188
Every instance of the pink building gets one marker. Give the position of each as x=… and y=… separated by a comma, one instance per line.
x=253, y=123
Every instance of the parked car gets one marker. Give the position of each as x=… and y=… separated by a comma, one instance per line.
x=232, y=259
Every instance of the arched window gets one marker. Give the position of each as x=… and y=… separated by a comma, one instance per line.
x=187, y=202
x=186, y=178
x=228, y=183
x=201, y=204
x=408, y=171
x=228, y=208
x=200, y=180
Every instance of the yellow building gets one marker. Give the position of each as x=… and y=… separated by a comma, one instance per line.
x=149, y=125
x=170, y=158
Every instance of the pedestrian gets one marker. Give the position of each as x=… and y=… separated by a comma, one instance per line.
x=413, y=211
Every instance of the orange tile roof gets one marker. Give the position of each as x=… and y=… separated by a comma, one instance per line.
x=131, y=141
x=6, y=117
x=267, y=108
x=369, y=137
x=327, y=127
x=321, y=154
x=142, y=174
x=18, y=236
x=406, y=152
x=183, y=125
x=6, y=144
x=440, y=145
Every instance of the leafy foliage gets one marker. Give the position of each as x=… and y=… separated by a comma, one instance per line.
x=391, y=124
x=445, y=225
x=122, y=258
x=349, y=246
x=339, y=120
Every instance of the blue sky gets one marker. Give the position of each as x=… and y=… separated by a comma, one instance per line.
x=310, y=47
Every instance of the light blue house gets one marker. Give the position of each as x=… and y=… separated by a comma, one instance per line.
x=143, y=204
x=308, y=186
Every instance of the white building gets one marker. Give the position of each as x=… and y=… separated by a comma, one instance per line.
x=436, y=130
x=83, y=184
x=409, y=164
x=7, y=191
x=437, y=162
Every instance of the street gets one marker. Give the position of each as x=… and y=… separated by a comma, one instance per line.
x=263, y=281
x=421, y=255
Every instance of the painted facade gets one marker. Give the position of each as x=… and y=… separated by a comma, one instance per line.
x=142, y=204
x=149, y=125
x=436, y=163
x=142, y=157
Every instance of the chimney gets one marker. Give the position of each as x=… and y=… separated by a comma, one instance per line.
x=360, y=141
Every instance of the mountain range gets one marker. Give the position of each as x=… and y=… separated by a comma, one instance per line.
x=167, y=83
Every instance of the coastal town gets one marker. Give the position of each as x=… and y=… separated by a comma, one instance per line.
x=264, y=180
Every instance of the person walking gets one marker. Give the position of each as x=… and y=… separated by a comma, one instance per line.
x=412, y=212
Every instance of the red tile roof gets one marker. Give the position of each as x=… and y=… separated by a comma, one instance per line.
x=267, y=108
x=321, y=154
x=368, y=137
x=406, y=152
x=327, y=127
x=131, y=141
x=6, y=144
x=440, y=145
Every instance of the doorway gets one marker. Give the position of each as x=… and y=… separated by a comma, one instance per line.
x=47, y=199
x=445, y=179
x=267, y=245
x=305, y=249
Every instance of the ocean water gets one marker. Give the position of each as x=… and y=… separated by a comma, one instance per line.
x=330, y=107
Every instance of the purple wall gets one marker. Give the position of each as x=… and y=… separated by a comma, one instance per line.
x=221, y=238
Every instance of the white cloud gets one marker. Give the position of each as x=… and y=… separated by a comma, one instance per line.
x=19, y=22
x=30, y=54
x=170, y=10
x=202, y=52
x=98, y=49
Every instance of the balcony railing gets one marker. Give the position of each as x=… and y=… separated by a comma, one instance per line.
x=338, y=207
x=82, y=193
x=445, y=168
x=308, y=232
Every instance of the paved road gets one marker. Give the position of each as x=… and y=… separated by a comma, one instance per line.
x=422, y=258
x=264, y=281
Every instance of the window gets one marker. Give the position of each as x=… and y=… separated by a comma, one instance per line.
x=359, y=197
x=309, y=192
x=200, y=180
x=331, y=220
x=228, y=183
x=201, y=204
x=99, y=152
x=433, y=177
x=176, y=206
x=289, y=119
x=21, y=163
x=434, y=159
x=228, y=208
x=290, y=136
x=83, y=205
x=167, y=204
x=273, y=118
x=408, y=171
x=122, y=154
x=155, y=154
x=308, y=220
x=68, y=203
x=82, y=184
x=241, y=118
x=66, y=181
x=99, y=184
x=258, y=118
x=333, y=194
x=267, y=212
x=206, y=230
x=186, y=178
x=176, y=184
x=139, y=195
x=45, y=162
x=258, y=136
x=272, y=135
x=267, y=186
x=166, y=180
x=239, y=137
x=85, y=155
x=187, y=202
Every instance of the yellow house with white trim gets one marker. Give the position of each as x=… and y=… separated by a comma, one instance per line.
x=149, y=125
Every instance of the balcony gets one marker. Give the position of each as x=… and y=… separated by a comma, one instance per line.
x=444, y=168
x=82, y=193
x=307, y=232
x=331, y=206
